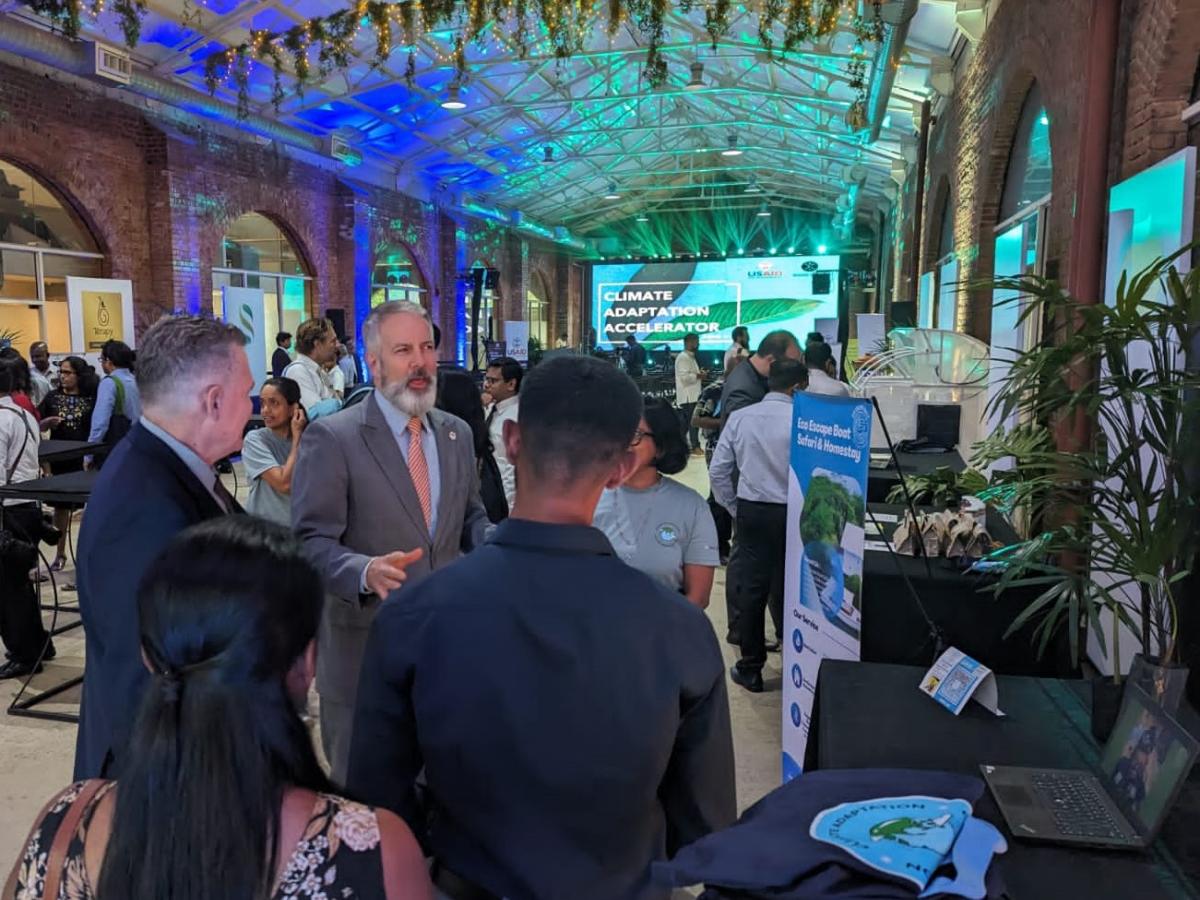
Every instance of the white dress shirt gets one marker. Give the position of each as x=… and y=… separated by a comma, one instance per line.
x=687, y=378
x=820, y=383
x=756, y=442
x=17, y=431
x=735, y=351
x=314, y=386
x=504, y=411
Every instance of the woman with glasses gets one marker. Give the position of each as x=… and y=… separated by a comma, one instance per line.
x=67, y=414
x=655, y=524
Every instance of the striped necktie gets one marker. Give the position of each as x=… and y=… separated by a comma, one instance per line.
x=418, y=469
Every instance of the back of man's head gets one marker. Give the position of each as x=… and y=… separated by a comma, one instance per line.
x=818, y=356
x=578, y=416
x=776, y=345
x=786, y=375
x=182, y=352
x=283, y=338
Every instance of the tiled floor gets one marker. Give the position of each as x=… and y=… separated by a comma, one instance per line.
x=36, y=756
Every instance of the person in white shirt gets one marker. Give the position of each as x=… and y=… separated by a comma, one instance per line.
x=739, y=349
x=21, y=626
x=822, y=371
x=346, y=364
x=40, y=376
x=755, y=442
x=689, y=378
x=316, y=347
x=503, y=382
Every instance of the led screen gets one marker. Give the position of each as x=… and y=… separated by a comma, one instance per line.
x=659, y=303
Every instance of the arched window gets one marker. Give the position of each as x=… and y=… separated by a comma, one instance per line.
x=42, y=241
x=1020, y=239
x=1027, y=180
x=396, y=276
x=537, y=299
x=256, y=253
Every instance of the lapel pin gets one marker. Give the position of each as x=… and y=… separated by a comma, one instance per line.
x=454, y=435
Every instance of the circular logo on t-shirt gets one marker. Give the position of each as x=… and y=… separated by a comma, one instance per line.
x=667, y=534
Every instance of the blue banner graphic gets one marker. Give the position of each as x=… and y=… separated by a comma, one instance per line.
x=827, y=506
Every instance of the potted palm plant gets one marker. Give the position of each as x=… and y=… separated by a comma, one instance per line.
x=1114, y=516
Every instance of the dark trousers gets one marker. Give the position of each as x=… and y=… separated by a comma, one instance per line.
x=20, y=618
x=693, y=433
x=760, y=550
x=724, y=522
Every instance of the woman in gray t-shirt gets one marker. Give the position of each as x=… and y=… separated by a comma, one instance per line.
x=269, y=453
x=655, y=524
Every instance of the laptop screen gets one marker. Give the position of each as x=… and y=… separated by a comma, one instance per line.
x=1146, y=759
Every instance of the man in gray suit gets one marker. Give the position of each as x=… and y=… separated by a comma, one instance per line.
x=383, y=494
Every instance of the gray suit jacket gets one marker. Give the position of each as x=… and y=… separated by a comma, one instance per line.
x=352, y=499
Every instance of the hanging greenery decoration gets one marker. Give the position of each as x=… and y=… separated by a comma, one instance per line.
x=565, y=24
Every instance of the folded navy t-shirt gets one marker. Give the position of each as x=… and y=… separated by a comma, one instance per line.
x=769, y=853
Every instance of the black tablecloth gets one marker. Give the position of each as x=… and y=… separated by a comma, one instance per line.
x=51, y=450
x=71, y=487
x=970, y=616
x=870, y=715
x=881, y=481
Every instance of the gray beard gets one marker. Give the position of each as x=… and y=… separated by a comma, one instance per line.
x=411, y=403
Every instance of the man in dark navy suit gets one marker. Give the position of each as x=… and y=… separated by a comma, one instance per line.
x=195, y=382
x=569, y=713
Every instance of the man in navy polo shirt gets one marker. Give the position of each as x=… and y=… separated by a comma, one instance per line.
x=570, y=714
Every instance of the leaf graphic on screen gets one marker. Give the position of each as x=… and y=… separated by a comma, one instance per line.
x=754, y=312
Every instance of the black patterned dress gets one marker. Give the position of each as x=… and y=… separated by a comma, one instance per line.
x=75, y=410
x=337, y=857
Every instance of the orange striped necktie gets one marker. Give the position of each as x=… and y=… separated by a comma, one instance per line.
x=418, y=469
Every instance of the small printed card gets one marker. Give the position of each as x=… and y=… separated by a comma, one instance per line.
x=955, y=679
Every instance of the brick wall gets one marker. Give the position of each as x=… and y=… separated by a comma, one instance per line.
x=971, y=141
x=159, y=192
x=1048, y=42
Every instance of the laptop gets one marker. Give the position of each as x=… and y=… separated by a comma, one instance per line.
x=1144, y=764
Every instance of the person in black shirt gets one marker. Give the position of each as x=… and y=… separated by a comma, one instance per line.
x=570, y=714
x=635, y=357
x=281, y=359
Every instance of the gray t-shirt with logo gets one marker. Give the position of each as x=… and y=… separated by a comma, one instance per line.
x=263, y=450
x=659, y=530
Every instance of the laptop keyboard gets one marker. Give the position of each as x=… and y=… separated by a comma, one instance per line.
x=1076, y=805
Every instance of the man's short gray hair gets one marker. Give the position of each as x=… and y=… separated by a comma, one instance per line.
x=178, y=349
x=370, y=328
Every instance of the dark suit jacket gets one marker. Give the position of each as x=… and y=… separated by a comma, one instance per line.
x=280, y=360
x=143, y=497
x=570, y=716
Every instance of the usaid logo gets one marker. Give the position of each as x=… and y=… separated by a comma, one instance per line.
x=764, y=270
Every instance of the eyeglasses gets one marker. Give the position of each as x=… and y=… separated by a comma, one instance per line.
x=488, y=379
x=639, y=435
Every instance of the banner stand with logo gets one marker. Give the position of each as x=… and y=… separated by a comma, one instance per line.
x=99, y=310
x=831, y=439
x=243, y=308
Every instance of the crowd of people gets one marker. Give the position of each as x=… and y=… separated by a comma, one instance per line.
x=498, y=594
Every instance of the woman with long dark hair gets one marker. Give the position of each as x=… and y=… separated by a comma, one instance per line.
x=656, y=524
x=220, y=796
x=21, y=395
x=458, y=394
x=66, y=413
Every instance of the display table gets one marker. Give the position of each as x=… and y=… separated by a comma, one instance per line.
x=881, y=481
x=70, y=487
x=870, y=715
x=53, y=451
x=969, y=615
